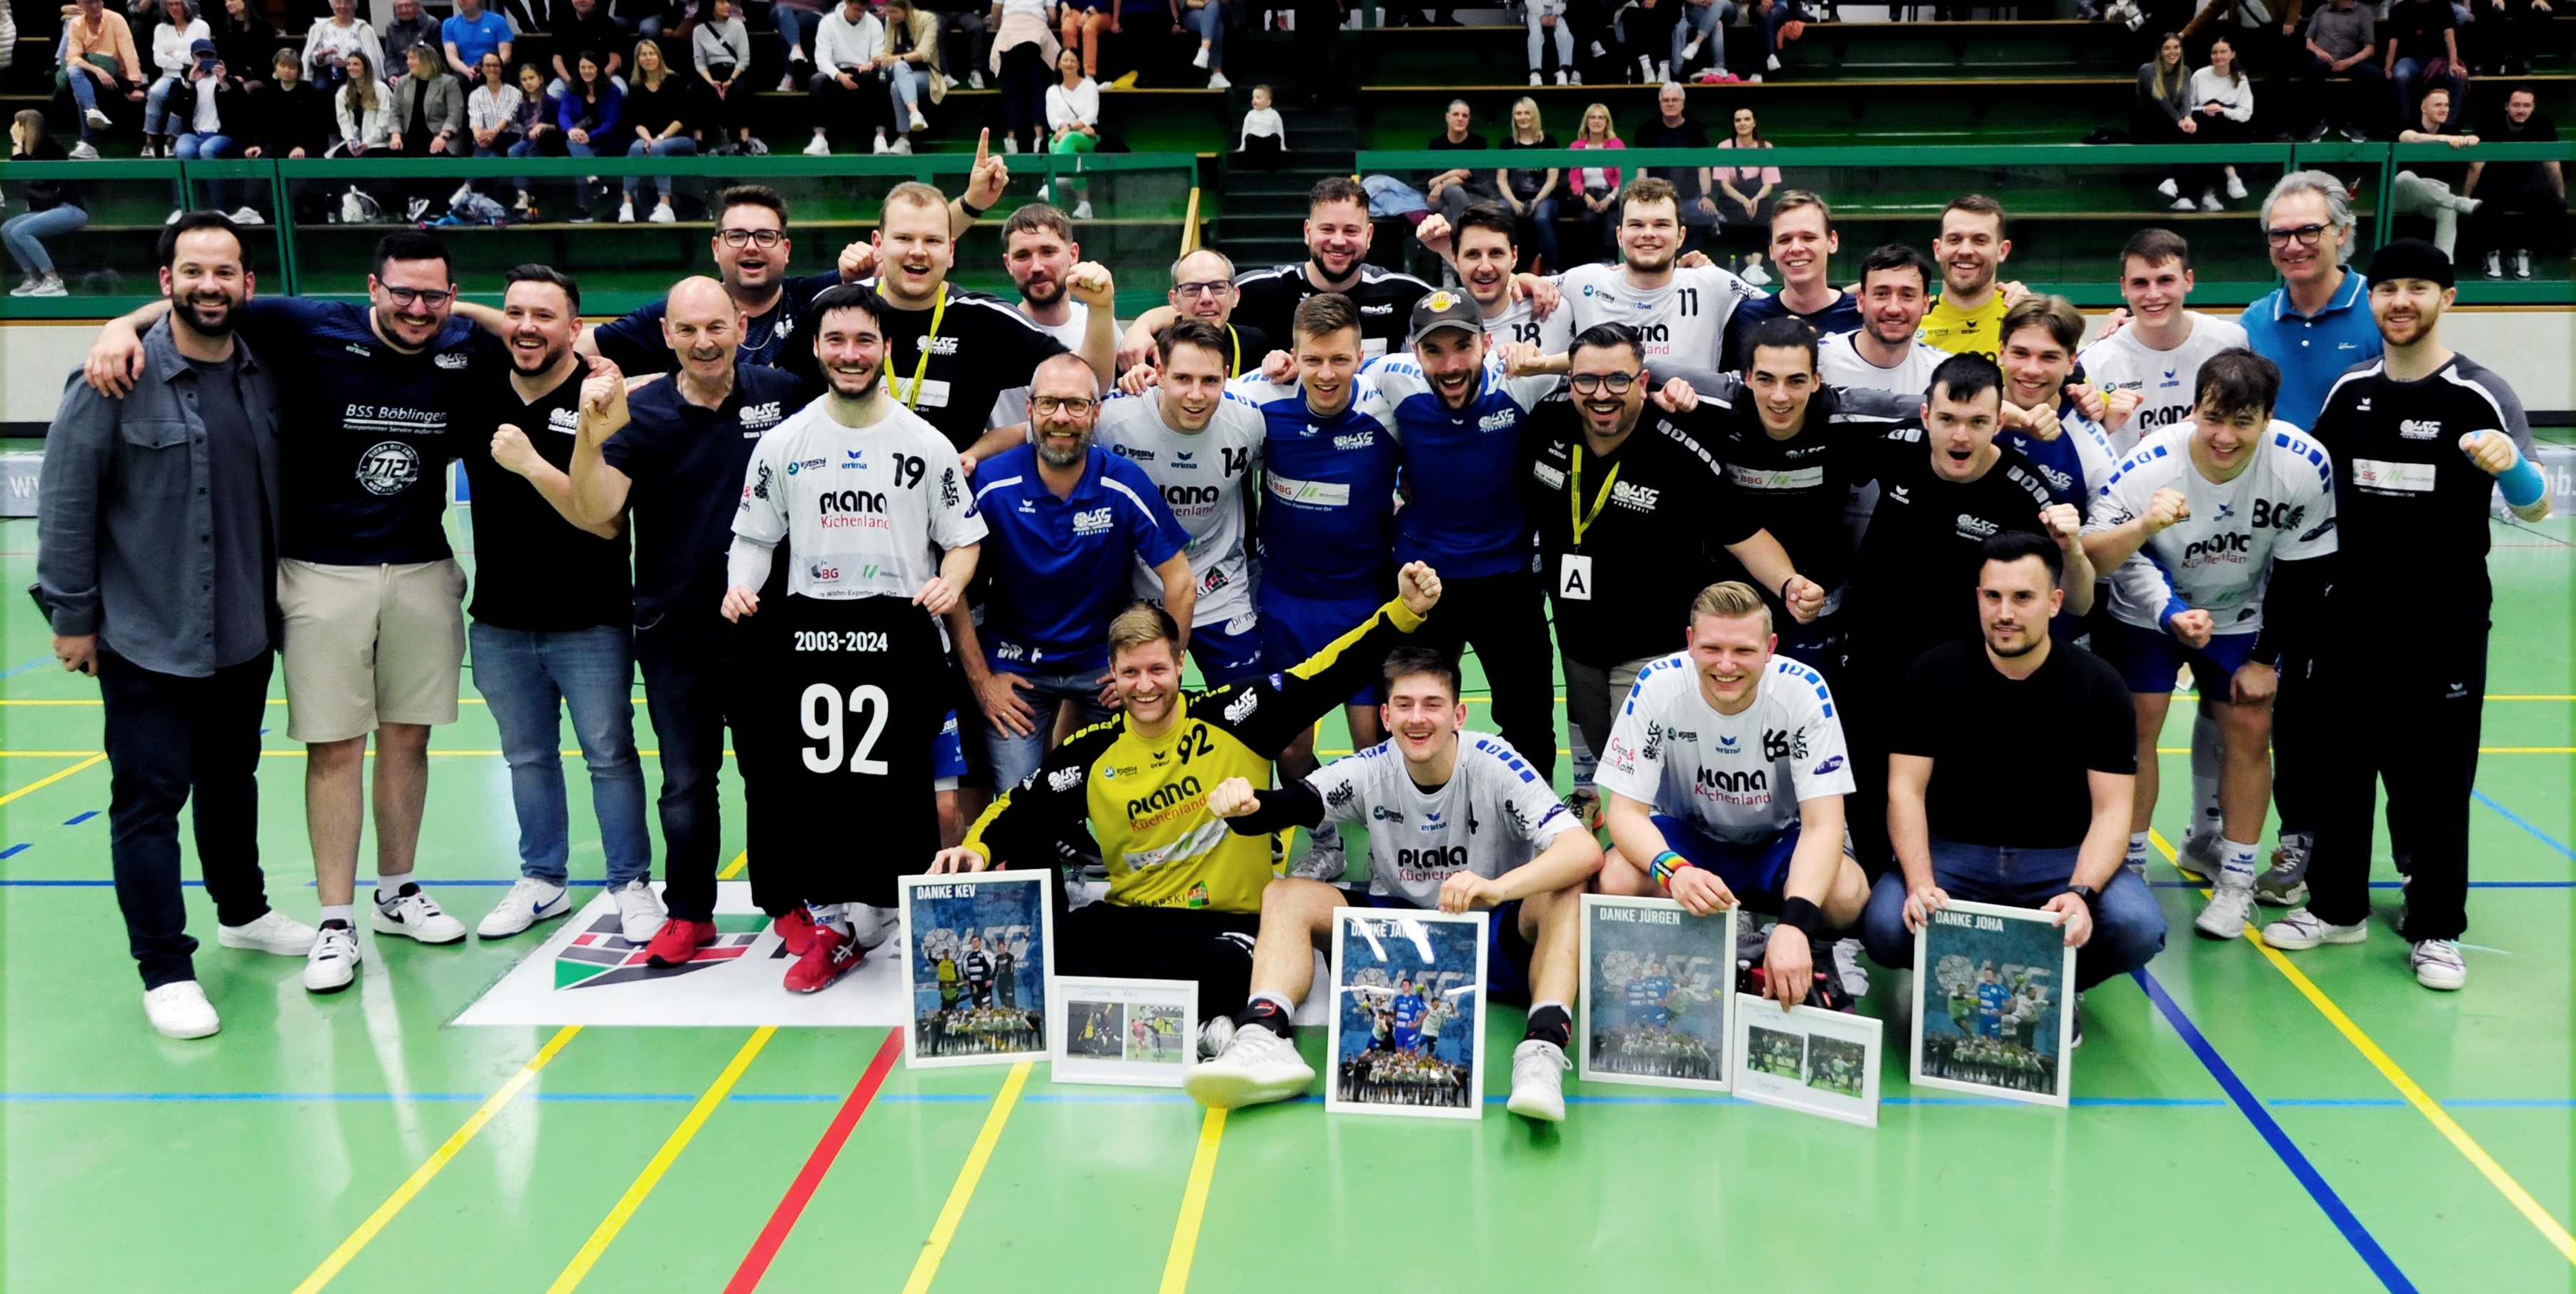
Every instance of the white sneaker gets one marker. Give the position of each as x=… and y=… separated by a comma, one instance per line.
x=1573, y=78
x=1538, y=78
x=414, y=915
x=2303, y=929
x=2522, y=263
x=2468, y=206
x=1217, y=81
x=246, y=216
x=274, y=932
x=819, y=147
x=2168, y=188
x=49, y=286
x=1564, y=76
x=1256, y=1066
x=1771, y=64
x=1214, y=1034
x=879, y=147
x=2495, y=265
x=84, y=152
x=626, y=213
x=639, y=910
x=1755, y=275
x=97, y=120
x=1538, y=1080
x=1011, y=142
x=529, y=901
x=1663, y=73
x=1199, y=60
x=1082, y=210
x=172, y=218
x=2438, y=964
x=2229, y=905
x=975, y=79
x=180, y=1010
x=920, y=122
x=2209, y=201
x=1690, y=51
x=2236, y=187
x=871, y=926
x=1854, y=976
x=2185, y=204
x=902, y=147
x=662, y=214
x=333, y=963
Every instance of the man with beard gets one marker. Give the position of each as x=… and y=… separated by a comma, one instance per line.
x=1338, y=232
x=1972, y=247
x=177, y=633
x=1803, y=242
x=677, y=449
x=862, y=490
x=1039, y=251
x=367, y=589
x=1680, y=312
x=553, y=616
x=1482, y=250
x=1884, y=352
x=1070, y=521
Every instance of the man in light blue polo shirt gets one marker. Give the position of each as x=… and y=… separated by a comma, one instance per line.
x=1069, y=520
x=472, y=32
x=2317, y=324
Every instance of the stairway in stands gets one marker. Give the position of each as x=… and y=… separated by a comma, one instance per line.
x=1262, y=223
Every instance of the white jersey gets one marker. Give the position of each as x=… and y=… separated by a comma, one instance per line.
x=2281, y=507
x=1553, y=335
x=859, y=507
x=1682, y=322
x=1492, y=815
x=1733, y=777
x=2167, y=381
x=1012, y=406
x=1839, y=363
x=1202, y=475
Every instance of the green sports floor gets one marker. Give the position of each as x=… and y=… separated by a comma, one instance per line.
x=2241, y=1121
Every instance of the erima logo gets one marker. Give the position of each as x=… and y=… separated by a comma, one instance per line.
x=1181, y=458
x=1897, y=493
x=359, y=351
x=857, y=461
x=451, y=360
x=1310, y=430
x=2420, y=428
x=2225, y=510
x=2170, y=380
x=1358, y=440
x=1093, y=522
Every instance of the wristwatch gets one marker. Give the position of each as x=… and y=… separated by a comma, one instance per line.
x=2092, y=898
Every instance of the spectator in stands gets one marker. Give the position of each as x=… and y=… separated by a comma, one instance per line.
x=963, y=21
x=173, y=40
x=428, y=109
x=1530, y=192
x=54, y=208
x=99, y=59
x=2222, y=112
x=2526, y=201
x=912, y=65
x=2419, y=34
x=1024, y=48
x=1671, y=127
x=1206, y=19
x=244, y=41
x=583, y=25
x=1782, y=21
x=411, y=27
x=2505, y=33
x=797, y=22
x=2433, y=189
x=720, y=50
x=2342, y=37
x=1647, y=29
x=1703, y=21
x=845, y=72
x=539, y=133
x=655, y=116
x=1545, y=17
x=1073, y=124
x=492, y=110
x=589, y=111
x=1747, y=191
x=291, y=118
x=329, y=43
x=2162, y=114
x=1082, y=21
x=1597, y=187
x=470, y=33
x=1264, y=136
x=213, y=117
x=1451, y=190
x=361, y=107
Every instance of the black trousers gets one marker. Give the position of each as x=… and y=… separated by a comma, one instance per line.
x=685, y=661
x=2297, y=727
x=1214, y=949
x=170, y=740
x=1504, y=617
x=2421, y=742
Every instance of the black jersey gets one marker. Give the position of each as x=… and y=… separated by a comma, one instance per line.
x=980, y=349
x=1269, y=300
x=536, y=571
x=1798, y=488
x=2411, y=507
x=771, y=339
x=1913, y=584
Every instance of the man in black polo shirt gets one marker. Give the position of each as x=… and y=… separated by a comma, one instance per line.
x=553, y=616
x=1337, y=244
x=676, y=449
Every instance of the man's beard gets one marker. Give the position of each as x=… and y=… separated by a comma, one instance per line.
x=2029, y=644
x=187, y=309
x=833, y=379
x=546, y=359
x=1042, y=293
x=1053, y=457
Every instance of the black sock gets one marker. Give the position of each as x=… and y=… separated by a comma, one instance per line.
x=1551, y=1024
x=1266, y=1013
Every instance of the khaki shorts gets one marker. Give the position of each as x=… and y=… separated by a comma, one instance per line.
x=370, y=644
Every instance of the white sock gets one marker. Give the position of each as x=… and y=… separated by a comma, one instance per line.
x=835, y=915
x=2137, y=849
x=344, y=913
x=2235, y=863
x=389, y=883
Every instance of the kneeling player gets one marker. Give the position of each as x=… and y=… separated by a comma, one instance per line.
x=1478, y=828
x=1725, y=776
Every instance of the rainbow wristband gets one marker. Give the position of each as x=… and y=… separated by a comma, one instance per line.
x=1665, y=864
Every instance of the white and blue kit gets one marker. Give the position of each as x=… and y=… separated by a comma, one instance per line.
x=2076, y=465
x=2167, y=381
x=1204, y=477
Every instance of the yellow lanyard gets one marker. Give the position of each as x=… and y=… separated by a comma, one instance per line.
x=1237, y=371
x=1574, y=497
x=928, y=344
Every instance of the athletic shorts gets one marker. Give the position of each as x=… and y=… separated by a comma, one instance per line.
x=947, y=755
x=2150, y=660
x=1754, y=872
x=1294, y=628
x=1228, y=652
x=369, y=645
x=1507, y=954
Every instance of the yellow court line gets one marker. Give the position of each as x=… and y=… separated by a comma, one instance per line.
x=926, y=1268
x=476, y=700
x=437, y=1160
x=645, y=1181
x=1185, y=1234
x=734, y=868
x=43, y=782
x=2407, y=1087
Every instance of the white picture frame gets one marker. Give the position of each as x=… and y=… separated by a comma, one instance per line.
x=1675, y=1037
x=1377, y=954
x=1122, y=1032
x=2015, y=1052
x=1829, y=1070
x=956, y=1021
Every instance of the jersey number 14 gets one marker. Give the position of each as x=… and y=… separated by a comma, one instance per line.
x=820, y=711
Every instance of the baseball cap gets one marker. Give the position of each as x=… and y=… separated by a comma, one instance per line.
x=1444, y=308
x=2404, y=258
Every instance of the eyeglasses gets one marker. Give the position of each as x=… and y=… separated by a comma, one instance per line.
x=2306, y=234
x=1073, y=404
x=763, y=237
x=1587, y=383
x=1212, y=288
x=431, y=297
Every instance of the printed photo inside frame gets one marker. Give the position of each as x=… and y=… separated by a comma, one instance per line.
x=977, y=948
x=1657, y=988
x=1821, y=1062
x=1992, y=989
x=1130, y=1032
x=1407, y=1034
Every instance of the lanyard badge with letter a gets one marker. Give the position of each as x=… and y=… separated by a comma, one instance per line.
x=1574, y=569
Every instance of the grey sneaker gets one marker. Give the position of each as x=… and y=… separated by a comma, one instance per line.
x=1325, y=859
x=2198, y=855
x=1538, y=1080
x=2438, y=964
x=2285, y=883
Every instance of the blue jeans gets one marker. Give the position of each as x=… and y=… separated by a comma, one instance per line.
x=156, y=112
x=796, y=27
x=1542, y=222
x=1015, y=757
x=2128, y=927
x=21, y=231
x=675, y=146
x=1208, y=23
x=527, y=679
x=195, y=147
x=1782, y=14
x=904, y=91
x=1703, y=23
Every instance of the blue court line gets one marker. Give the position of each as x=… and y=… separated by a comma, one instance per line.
x=21, y=669
x=2380, y=1264
x=82, y=818
x=2517, y=820
x=17, y=849
x=1175, y=1098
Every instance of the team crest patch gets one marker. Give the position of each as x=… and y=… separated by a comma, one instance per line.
x=1441, y=300
x=600, y=954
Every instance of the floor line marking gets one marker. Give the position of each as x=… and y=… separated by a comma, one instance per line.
x=1143, y=1098
x=734, y=868
x=791, y=1206
x=429, y=1168
x=43, y=782
x=651, y=1177
x=2518, y=820
x=933, y=1250
x=1185, y=1233
x=2355, y=1234
x=2407, y=1087
x=16, y=670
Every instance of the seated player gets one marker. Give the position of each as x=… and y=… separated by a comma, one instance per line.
x=1725, y=777
x=1432, y=784
x=1184, y=893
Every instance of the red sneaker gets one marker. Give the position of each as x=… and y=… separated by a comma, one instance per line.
x=828, y=957
x=796, y=930
x=677, y=941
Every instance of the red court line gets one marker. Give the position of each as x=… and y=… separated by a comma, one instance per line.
x=783, y=1220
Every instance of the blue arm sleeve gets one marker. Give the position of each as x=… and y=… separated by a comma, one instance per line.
x=2523, y=485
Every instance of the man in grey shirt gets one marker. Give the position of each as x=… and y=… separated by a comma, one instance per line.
x=157, y=567
x=2342, y=41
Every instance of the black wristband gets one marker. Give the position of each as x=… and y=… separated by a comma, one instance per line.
x=972, y=211
x=1805, y=916
x=2092, y=898
x=1784, y=587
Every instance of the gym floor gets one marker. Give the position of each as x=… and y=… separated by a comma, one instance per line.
x=2242, y=1119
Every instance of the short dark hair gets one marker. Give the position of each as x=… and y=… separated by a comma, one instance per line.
x=2237, y=380
x=1492, y=216
x=196, y=220
x=411, y=245
x=2051, y=314
x=1323, y=314
x=1787, y=332
x=1975, y=204
x=1407, y=661
x=1186, y=331
x=1036, y=217
x=535, y=273
x=1897, y=256
x=751, y=195
x=1609, y=336
x=2013, y=545
x=1335, y=188
x=1964, y=377
x=2155, y=247
x=1792, y=199
x=843, y=296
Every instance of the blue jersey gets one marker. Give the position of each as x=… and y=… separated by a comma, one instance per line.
x=2076, y=465
x=1462, y=511
x=1328, y=521
x=1990, y=1008
x=1060, y=566
x=2312, y=350
x=1409, y=1010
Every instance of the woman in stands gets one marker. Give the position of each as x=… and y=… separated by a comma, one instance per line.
x=1073, y=121
x=2222, y=112
x=172, y=40
x=590, y=110
x=333, y=41
x=1531, y=191
x=1744, y=197
x=656, y=118
x=1022, y=42
x=2163, y=115
x=720, y=50
x=365, y=121
x=54, y=208
x=245, y=41
x=492, y=111
x=1597, y=187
